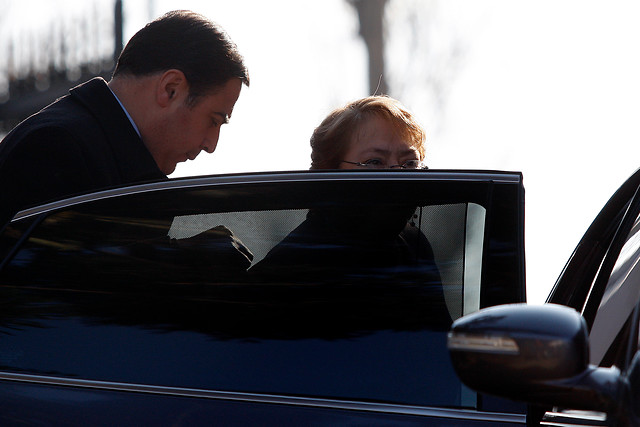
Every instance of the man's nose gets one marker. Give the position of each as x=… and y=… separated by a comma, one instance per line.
x=210, y=144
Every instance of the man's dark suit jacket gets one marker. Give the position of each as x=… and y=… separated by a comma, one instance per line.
x=84, y=141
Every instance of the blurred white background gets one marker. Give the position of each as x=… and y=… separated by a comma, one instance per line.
x=546, y=87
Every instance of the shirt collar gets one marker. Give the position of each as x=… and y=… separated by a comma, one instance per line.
x=126, y=112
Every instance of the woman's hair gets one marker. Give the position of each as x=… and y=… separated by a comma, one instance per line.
x=332, y=138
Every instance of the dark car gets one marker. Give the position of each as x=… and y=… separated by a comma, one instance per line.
x=303, y=298
x=574, y=360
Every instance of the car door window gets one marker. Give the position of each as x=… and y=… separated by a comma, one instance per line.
x=261, y=289
x=620, y=297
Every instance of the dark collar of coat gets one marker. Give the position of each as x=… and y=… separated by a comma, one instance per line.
x=134, y=160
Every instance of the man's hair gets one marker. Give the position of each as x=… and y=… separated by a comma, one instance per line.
x=333, y=137
x=189, y=42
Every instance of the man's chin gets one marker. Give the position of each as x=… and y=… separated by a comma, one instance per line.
x=168, y=169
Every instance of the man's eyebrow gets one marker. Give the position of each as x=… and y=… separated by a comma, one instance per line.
x=225, y=117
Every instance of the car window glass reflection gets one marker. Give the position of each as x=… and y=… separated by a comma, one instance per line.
x=351, y=302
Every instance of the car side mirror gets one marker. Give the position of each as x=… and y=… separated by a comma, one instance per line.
x=533, y=353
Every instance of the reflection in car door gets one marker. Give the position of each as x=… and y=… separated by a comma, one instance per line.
x=166, y=303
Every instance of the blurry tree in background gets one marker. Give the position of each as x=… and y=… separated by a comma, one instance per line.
x=371, y=18
x=412, y=56
x=46, y=54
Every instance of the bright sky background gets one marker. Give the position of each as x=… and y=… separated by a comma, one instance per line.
x=547, y=87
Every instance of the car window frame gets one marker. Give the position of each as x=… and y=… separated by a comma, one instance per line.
x=482, y=177
x=577, y=281
x=627, y=203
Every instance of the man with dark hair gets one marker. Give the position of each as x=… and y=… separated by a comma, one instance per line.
x=176, y=82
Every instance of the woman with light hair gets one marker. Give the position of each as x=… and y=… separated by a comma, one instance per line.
x=376, y=132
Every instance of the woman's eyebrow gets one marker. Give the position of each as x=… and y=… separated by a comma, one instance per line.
x=374, y=150
x=409, y=151
x=379, y=151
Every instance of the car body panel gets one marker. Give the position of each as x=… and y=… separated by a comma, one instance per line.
x=94, y=403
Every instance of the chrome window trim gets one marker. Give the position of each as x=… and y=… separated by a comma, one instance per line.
x=574, y=418
x=269, y=177
x=461, y=414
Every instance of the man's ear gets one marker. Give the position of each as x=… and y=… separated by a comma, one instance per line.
x=172, y=85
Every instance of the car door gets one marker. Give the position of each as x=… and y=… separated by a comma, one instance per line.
x=273, y=299
x=602, y=281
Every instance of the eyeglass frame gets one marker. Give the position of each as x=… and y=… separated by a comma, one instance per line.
x=402, y=166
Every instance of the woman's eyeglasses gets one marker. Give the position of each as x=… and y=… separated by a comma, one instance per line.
x=377, y=164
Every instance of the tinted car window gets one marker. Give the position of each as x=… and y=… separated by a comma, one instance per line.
x=343, y=290
x=618, y=302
